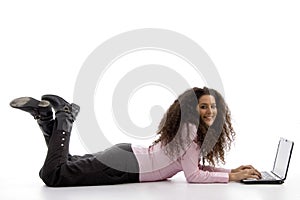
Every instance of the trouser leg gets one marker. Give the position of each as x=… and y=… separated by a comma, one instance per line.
x=60, y=169
x=46, y=127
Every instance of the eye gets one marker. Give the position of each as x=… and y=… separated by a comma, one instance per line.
x=213, y=106
x=203, y=107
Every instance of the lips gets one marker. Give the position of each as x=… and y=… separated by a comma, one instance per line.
x=209, y=117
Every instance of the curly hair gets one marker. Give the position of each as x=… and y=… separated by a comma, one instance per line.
x=212, y=140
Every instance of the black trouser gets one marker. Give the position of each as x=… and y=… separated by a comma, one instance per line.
x=115, y=165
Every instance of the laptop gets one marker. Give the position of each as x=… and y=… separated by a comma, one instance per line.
x=280, y=167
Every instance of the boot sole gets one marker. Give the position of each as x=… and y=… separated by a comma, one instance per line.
x=24, y=102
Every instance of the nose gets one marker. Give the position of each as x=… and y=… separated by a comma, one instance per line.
x=209, y=110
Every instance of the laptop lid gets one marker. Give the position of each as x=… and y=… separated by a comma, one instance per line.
x=283, y=157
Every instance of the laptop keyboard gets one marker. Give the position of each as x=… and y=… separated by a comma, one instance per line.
x=266, y=176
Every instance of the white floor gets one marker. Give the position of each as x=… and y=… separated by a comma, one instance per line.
x=176, y=188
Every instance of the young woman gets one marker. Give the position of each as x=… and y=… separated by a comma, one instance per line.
x=196, y=129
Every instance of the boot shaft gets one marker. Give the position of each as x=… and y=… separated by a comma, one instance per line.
x=65, y=113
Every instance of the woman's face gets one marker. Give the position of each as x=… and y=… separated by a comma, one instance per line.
x=207, y=109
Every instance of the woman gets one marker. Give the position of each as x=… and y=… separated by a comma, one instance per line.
x=197, y=127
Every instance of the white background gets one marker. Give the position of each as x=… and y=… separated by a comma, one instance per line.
x=255, y=46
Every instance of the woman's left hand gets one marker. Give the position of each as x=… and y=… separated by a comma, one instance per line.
x=244, y=167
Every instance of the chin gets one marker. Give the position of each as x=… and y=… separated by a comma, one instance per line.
x=209, y=123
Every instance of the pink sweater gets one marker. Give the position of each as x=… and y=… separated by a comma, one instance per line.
x=155, y=165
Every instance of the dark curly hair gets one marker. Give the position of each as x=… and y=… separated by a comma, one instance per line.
x=213, y=141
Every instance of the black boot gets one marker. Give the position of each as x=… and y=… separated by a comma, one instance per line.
x=58, y=149
x=40, y=110
x=63, y=109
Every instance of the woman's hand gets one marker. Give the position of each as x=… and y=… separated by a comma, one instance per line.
x=243, y=172
x=243, y=167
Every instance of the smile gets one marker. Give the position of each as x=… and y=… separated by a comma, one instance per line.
x=209, y=117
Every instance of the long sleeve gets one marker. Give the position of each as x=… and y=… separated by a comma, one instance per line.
x=214, y=169
x=155, y=165
x=192, y=172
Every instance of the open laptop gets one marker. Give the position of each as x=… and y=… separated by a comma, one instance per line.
x=280, y=167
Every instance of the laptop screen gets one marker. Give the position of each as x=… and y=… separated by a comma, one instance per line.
x=282, y=159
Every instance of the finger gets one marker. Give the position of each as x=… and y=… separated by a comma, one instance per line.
x=255, y=176
x=245, y=167
x=256, y=173
x=250, y=176
x=255, y=169
x=249, y=167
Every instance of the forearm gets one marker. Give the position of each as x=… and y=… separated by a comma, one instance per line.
x=207, y=177
x=215, y=169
